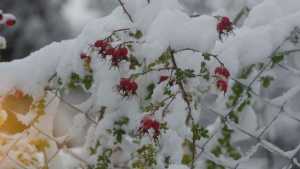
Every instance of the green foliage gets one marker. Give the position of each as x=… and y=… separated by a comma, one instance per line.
x=76, y=80
x=212, y=165
x=138, y=34
x=277, y=58
x=184, y=74
x=224, y=145
x=217, y=151
x=266, y=81
x=206, y=56
x=237, y=92
x=146, y=157
x=118, y=130
x=87, y=81
x=133, y=62
x=204, y=72
x=150, y=89
x=163, y=59
x=199, y=132
x=93, y=150
x=103, y=160
x=245, y=72
x=186, y=159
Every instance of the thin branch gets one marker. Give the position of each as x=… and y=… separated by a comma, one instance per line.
x=126, y=11
x=185, y=95
x=152, y=70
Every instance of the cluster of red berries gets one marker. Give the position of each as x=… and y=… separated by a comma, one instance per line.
x=224, y=25
x=127, y=87
x=117, y=54
x=222, y=74
x=149, y=123
x=8, y=19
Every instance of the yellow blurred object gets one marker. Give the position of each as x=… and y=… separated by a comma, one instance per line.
x=3, y=117
x=12, y=105
x=40, y=144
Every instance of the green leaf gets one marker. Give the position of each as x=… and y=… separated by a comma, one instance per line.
x=150, y=89
x=217, y=151
x=183, y=74
x=167, y=90
x=88, y=81
x=138, y=34
x=244, y=74
x=206, y=56
x=277, y=58
x=122, y=121
x=75, y=77
x=133, y=62
x=186, y=159
x=266, y=81
x=199, y=132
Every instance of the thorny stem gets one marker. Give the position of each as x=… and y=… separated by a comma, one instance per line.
x=126, y=11
x=185, y=95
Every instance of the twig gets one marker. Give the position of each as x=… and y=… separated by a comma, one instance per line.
x=152, y=70
x=126, y=11
x=185, y=95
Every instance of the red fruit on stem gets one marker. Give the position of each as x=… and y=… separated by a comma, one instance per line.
x=222, y=71
x=222, y=85
x=147, y=123
x=109, y=51
x=101, y=44
x=10, y=22
x=117, y=53
x=163, y=78
x=224, y=25
x=127, y=86
x=123, y=51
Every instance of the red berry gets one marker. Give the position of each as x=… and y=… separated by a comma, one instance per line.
x=10, y=22
x=101, y=44
x=117, y=53
x=147, y=123
x=127, y=86
x=123, y=51
x=222, y=85
x=163, y=78
x=134, y=87
x=222, y=71
x=224, y=25
x=109, y=51
x=83, y=56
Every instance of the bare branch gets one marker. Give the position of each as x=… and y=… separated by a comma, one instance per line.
x=126, y=11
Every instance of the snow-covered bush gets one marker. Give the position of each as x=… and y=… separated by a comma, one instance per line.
x=149, y=86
